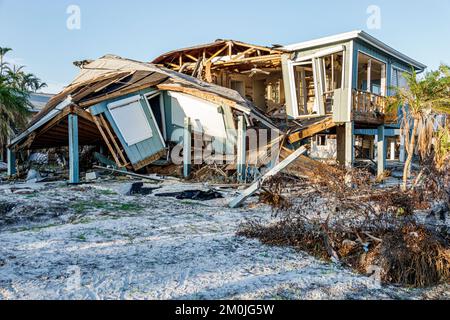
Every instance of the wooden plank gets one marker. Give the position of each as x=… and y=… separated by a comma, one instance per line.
x=108, y=130
x=217, y=53
x=105, y=138
x=130, y=174
x=149, y=160
x=275, y=170
x=276, y=59
x=312, y=130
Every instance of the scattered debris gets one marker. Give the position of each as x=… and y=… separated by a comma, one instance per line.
x=256, y=186
x=130, y=189
x=358, y=225
x=193, y=195
x=24, y=191
x=131, y=174
x=34, y=176
x=92, y=176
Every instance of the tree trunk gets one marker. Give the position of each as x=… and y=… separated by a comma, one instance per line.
x=410, y=149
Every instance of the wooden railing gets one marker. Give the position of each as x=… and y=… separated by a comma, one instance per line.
x=366, y=102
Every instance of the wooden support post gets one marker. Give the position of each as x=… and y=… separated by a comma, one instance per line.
x=393, y=143
x=349, y=144
x=381, y=152
x=11, y=158
x=74, y=168
x=289, y=86
x=369, y=76
x=402, y=148
x=241, y=150
x=383, y=80
x=187, y=147
x=375, y=145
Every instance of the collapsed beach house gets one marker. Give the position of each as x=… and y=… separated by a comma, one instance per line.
x=328, y=95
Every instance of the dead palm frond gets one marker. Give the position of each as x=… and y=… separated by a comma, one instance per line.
x=421, y=102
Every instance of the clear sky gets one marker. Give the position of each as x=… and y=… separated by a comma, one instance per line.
x=37, y=30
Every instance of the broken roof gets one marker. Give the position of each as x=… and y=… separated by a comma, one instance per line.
x=111, y=76
x=214, y=46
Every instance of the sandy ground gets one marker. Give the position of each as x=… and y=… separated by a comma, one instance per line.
x=89, y=242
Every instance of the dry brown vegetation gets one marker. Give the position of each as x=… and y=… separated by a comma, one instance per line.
x=342, y=216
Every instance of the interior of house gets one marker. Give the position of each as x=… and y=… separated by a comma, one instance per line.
x=308, y=77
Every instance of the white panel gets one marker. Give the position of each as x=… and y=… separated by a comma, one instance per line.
x=204, y=115
x=132, y=122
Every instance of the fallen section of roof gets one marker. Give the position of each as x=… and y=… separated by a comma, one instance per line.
x=114, y=99
x=203, y=60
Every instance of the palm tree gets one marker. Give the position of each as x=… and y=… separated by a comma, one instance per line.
x=15, y=88
x=3, y=52
x=421, y=101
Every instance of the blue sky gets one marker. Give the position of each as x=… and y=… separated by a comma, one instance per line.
x=142, y=30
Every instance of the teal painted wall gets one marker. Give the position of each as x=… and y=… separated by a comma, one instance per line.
x=141, y=150
x=360, y=46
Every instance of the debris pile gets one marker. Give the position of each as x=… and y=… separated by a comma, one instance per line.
x=341, y=217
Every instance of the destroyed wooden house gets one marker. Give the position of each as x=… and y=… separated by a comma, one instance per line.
x=332, y=91
x=138, y=112
x=328, y=94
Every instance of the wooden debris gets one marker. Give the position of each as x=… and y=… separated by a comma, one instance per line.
x=134, y=175
x=256, y=186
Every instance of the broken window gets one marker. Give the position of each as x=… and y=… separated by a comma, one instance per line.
x=156, y=105
x=371, y=75
x=398, y=79
x=322, y=140
x=238, y=86
x=305, y=88
x=333, y=66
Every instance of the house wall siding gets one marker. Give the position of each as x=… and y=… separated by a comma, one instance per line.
x=360, y=46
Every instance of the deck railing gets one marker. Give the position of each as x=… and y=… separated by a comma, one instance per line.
x=367, y=102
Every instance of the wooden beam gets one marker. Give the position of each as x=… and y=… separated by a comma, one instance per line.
x=113, y=139
x=191, y=57
x=271, y=51
x=143, y=163
x=257, y=185
x=217, y=53
x=308, y=132
x=242, y=55
x=275, y=59
x=208, y=74
x=381, y=152
x=105, y=138
x=130, y=174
